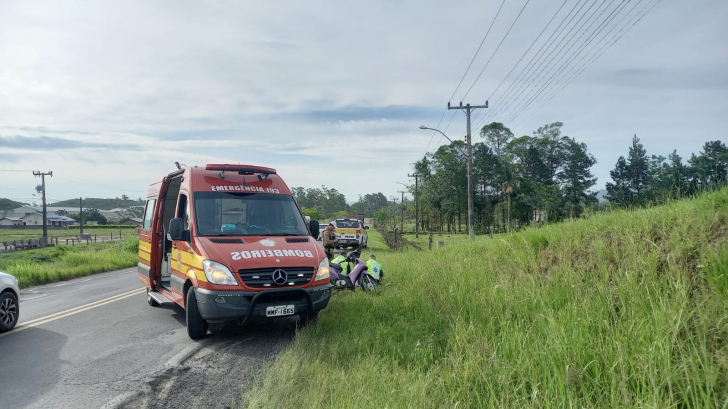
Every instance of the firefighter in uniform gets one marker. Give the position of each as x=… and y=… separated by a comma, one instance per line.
x=329, y=240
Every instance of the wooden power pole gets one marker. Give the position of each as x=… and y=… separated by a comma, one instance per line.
x=467, y=108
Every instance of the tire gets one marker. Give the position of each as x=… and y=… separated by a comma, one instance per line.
x=9, y=311
x=151, y=301
x=196, y=326
x=368, y=284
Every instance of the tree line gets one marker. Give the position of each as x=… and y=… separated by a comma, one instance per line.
x=546, y=177
x=516, y=181
x=638, y=179
x=329, y=203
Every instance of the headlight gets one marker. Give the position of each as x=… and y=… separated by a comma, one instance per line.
x=323, y=270
x=217, y=273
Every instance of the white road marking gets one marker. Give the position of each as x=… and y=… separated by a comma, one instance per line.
x=72, y=311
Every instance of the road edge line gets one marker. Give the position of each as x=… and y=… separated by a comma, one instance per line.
x=184, y=355
x=121, y=399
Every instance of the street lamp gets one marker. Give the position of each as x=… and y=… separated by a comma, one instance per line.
x=446, y=137
x=470, y=178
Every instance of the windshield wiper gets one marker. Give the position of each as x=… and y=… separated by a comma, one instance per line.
x=287, y=234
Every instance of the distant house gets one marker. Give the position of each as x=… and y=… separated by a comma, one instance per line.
x=11, y=221
x=133, y=221
x=36, y=219
x=539, y=216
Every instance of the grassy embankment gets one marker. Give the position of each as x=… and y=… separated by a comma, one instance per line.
x=626, y=309
x=41, y=266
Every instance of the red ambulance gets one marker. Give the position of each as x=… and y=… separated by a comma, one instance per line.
x=227, y=243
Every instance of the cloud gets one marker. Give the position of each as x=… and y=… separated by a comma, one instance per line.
x=329, y=93
x=49, y=143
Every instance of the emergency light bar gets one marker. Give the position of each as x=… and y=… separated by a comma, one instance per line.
x=241, y=169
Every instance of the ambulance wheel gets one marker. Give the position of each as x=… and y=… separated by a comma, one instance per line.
x=306, y=319
x=151, y=301
x=367, y=283
x=196, y=326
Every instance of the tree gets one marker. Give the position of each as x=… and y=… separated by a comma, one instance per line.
x=710, y=166
x=496, y=136
x=553, y=148
x=6, y=205
x=311, y=212
x=619, y=193
x=89, y=215
x=638, y=170
x=576, y=177
x=676, y=175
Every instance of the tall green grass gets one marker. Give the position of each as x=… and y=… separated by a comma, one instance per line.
x=34, y=267
x=626, y=309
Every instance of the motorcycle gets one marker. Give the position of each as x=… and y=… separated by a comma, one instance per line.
x=358, y=277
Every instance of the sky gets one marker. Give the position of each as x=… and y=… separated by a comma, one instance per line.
x=108, y=95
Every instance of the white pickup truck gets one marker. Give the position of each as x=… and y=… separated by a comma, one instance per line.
x=351, y=233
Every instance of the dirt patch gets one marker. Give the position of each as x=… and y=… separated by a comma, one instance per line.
x=212, y=378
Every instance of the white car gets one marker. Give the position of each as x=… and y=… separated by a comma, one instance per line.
x=9, y=305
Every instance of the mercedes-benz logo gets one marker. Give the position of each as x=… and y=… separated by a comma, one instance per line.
x=279, y=276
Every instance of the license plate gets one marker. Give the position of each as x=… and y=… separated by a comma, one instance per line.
x=279, y=310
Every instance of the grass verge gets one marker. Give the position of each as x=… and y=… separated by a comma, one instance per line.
x=41, y=266
x=626, y=309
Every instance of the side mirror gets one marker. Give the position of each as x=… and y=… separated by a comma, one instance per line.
x=366, y=227
x=175, y=230
x=313, y=225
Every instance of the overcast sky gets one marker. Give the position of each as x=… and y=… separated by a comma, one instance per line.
x=109, y=94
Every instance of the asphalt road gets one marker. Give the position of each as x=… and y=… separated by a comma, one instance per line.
x=94, y=341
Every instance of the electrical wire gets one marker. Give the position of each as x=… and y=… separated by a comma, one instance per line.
x=596, y=56
x=504, y=106
x=427, y=149
x=496, y=50
x=506, y=95
x=527, y=101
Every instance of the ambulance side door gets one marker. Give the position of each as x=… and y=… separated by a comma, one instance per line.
x=181, y=250
x=145, y=243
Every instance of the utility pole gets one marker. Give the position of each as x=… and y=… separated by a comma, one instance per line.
x=417, y=207
x=401, y=226
x=394, y=212
x=45, y=216
x=80, y=214
x=467, y=108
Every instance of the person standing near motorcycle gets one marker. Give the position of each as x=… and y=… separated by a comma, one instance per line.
x=375, y=268
x=329, y=240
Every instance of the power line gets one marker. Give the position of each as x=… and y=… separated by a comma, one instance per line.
x=478, y=50
x=531, y=64
x=596, y=56
x=578, y=52
x=496, y=50
x=427, y=149
x=503, y=106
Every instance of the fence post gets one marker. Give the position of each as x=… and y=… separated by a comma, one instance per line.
x=429, y=242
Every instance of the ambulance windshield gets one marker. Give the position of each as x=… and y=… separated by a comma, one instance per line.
x=247, y=214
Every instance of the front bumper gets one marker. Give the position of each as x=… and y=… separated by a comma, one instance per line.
x=221, y=306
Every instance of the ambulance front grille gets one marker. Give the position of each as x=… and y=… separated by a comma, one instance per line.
x=263, y=277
